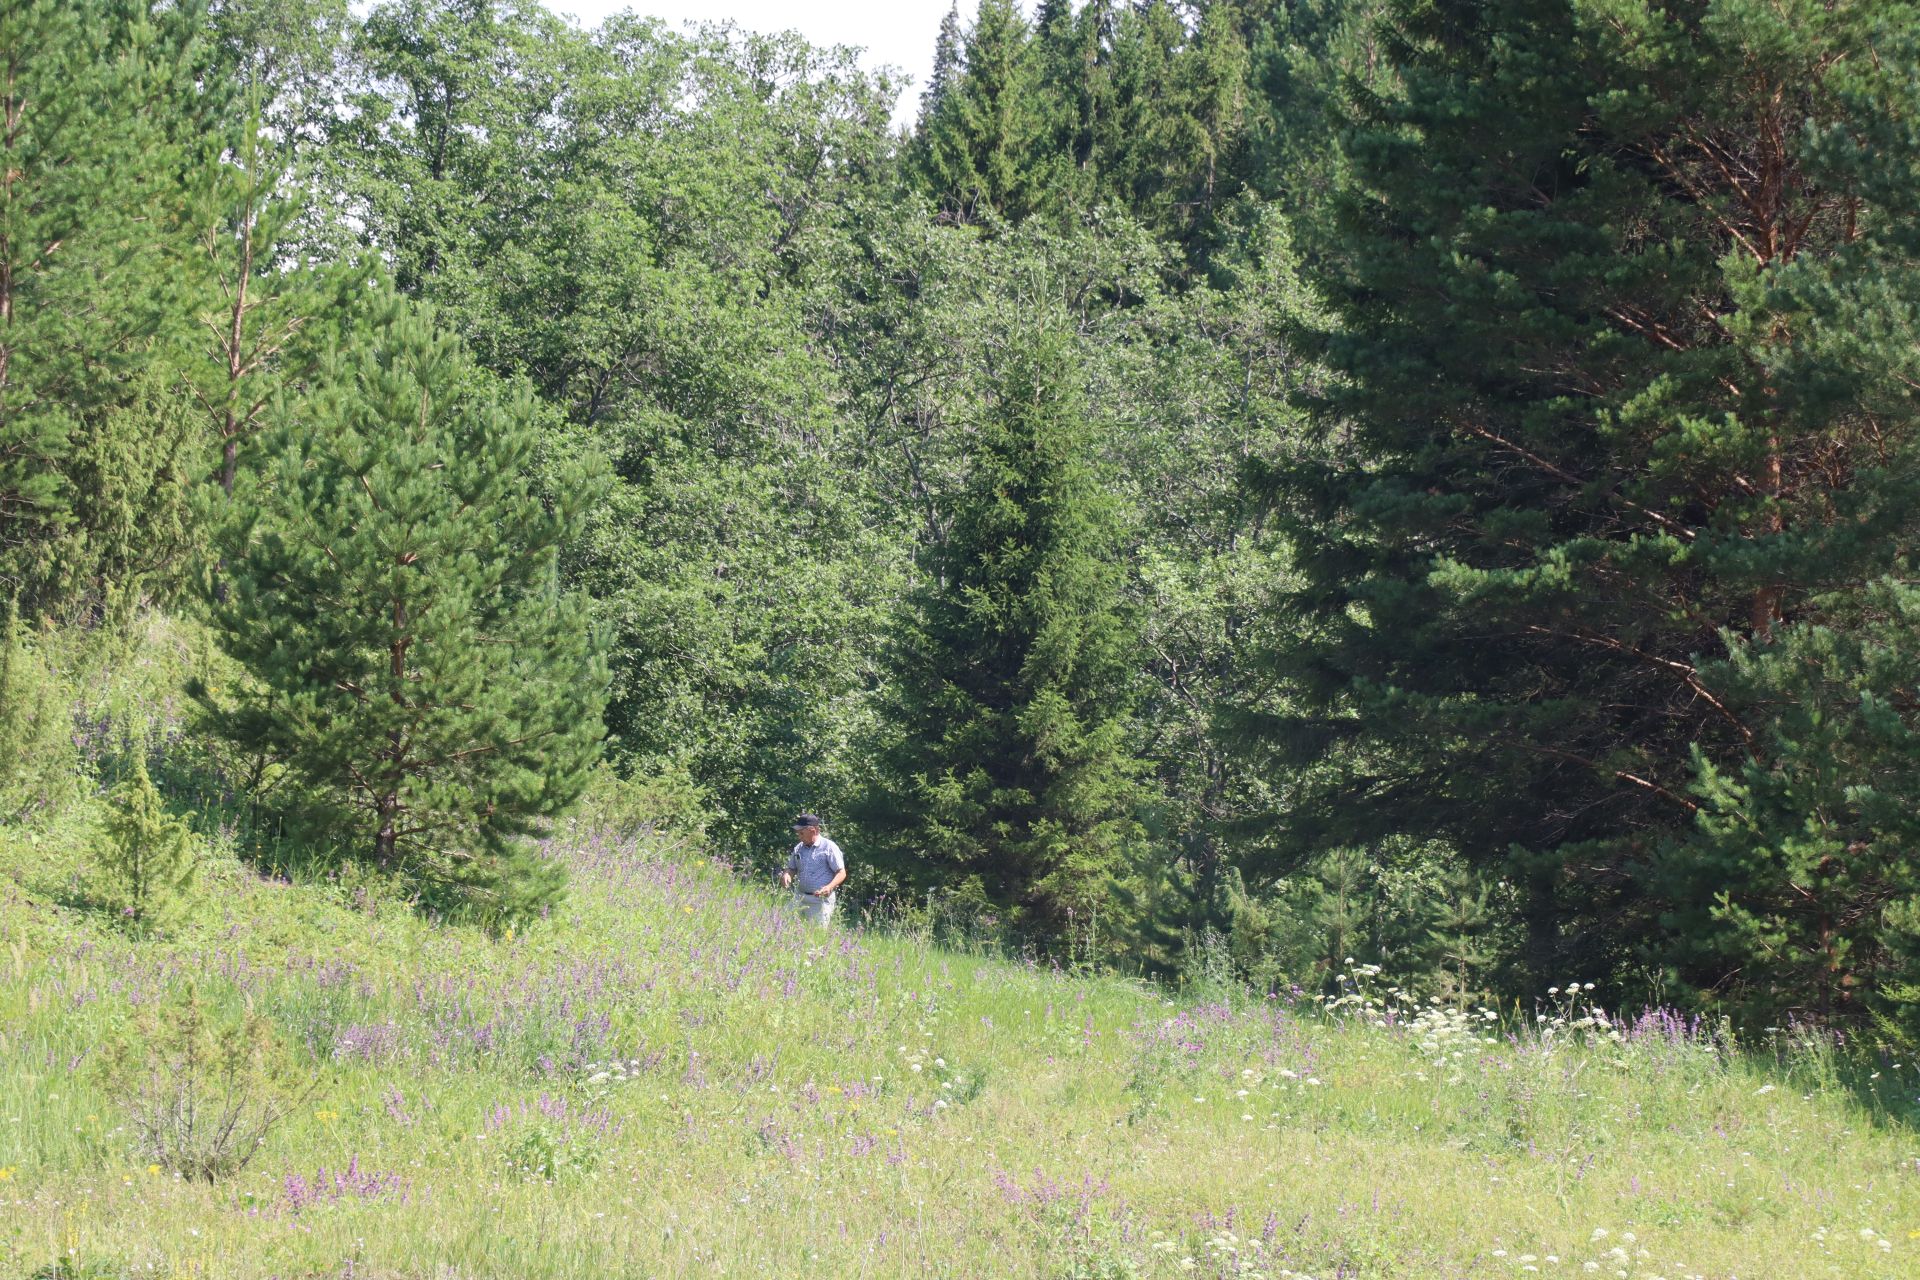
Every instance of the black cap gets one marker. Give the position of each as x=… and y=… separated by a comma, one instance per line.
x=807, y=820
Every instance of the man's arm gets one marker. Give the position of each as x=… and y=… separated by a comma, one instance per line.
x=838, y=862
x=786, y=873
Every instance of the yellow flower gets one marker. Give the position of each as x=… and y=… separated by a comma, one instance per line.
x=6, y=1173
x=688, y=910
x=893, y=1133
x=326, y=1117
x=153, y=1168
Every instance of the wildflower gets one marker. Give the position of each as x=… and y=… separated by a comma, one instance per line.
x=1763, y=1090
x=687, y=910
x=6, y=1173
x=153, y=1168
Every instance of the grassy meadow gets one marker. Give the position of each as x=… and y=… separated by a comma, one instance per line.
x=671, y=1077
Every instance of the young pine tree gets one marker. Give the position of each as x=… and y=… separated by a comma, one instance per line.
x=1011, y=781
x=392, y=590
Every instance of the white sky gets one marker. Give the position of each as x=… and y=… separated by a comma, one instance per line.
x=895, y=33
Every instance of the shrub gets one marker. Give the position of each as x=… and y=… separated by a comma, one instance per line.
x=201, y=1093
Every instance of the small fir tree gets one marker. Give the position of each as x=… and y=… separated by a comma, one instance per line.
x=1012, y=781
x=393, y=593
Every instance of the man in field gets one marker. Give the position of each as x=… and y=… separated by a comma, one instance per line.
x=814, y=870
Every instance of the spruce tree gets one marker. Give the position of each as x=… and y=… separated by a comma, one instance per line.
x=393, y=594
x=975, y=155
x=1621, y=295
x=946, y=70
x=1011, y=781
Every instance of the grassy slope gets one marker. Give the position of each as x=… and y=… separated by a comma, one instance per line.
x=782, y=1117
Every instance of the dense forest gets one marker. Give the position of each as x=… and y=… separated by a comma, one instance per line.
x=1238, y=484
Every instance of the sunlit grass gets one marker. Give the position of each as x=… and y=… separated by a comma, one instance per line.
x=671, y=1077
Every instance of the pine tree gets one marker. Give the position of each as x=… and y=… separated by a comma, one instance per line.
x=393, y=595
x=1012, y=781
x=108, y=156
x=1618, y=400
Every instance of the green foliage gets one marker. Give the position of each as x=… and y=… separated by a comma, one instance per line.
x=151, y=858
x=1802, y=852
x=1009, y=774
x=110, y=158
x=392, y=593
x=201, y=1090
x=664, y=807
x=38, y=771
x=1599, y=418
x=976, y=136
x=647, y=250
x=549, y=1152
x=1139, y=107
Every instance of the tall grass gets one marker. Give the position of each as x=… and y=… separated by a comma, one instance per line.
x=671, y=1076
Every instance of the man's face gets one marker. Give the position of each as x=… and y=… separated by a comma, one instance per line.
x=807, y=834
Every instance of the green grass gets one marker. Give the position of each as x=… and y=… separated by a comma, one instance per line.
x=784, y=1114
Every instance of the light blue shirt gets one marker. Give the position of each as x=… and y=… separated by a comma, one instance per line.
x=815, y=865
